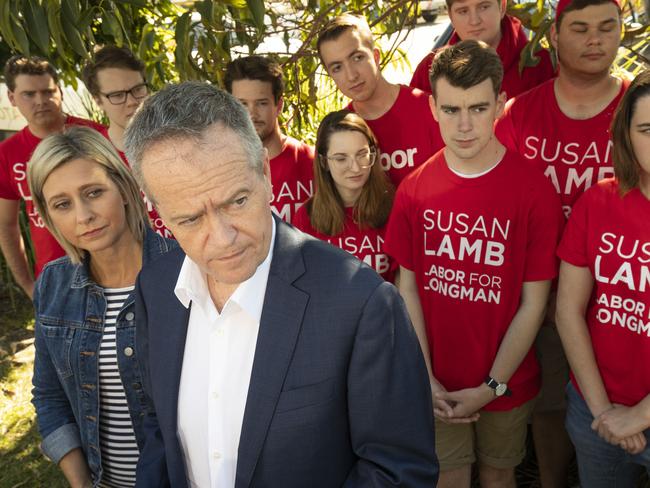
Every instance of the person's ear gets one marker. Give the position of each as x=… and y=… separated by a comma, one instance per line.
x=432, y=107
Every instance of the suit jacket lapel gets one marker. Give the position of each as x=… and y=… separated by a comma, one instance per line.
x=282, y=315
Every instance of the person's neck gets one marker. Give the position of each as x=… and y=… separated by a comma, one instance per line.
x=582, y=97
x=380, y=102
x=220, y=292
x=116, y=135
x=489, y=157
x=43, y=131
x=117, y=266
x=349, y=197
x=274, y=142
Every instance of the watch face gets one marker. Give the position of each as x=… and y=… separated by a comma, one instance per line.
x=501, y=389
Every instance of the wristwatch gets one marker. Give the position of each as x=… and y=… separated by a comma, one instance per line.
x=500, y=389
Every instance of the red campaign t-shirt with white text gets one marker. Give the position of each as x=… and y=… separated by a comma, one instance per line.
x=408, y=134
x=610, y=235
x=15, y=152
x=573, y=154
x=366, y=244
x=157, y=223
x=472, y=243
x=292, y=175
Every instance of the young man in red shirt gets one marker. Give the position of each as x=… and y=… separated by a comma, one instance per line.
x=486, y=20
x=33, y=90
x=474, y=231
x=398, y=115
x=116, y=80
x=256, y=81
x=562, y=128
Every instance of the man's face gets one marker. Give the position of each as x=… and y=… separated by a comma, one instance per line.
x=38, y=99
x=478, y=20
x=588, y=39
x=112, y=80
x=216, y=205
x=257, y=97
x=353, y=65
x=466, y=118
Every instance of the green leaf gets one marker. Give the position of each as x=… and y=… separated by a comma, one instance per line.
x=257, y=10
x=54, y=23
x=113, y=27
x=137, y=3
x=71, y=33
x=71, y=11
x=36, y=21
x=17, y=28
x=5, y=26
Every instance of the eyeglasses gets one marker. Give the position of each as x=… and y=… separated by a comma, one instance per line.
x=363, y=159
x=119, y=97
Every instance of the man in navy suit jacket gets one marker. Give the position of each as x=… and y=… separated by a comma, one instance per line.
x=271, y=359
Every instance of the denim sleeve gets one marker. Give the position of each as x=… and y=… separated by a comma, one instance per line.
x=60, y=442
x=56, y=421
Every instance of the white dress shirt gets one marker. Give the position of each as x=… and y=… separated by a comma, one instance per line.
x=217, y=365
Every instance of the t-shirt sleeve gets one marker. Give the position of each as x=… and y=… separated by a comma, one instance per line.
x=421, y=74
x=505, y=128
x=7, y=189
x=573, y=246
x=399, y=234
x=545, y=224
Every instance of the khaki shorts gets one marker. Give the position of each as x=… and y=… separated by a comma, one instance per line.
x=496, y=439
x=555, y=369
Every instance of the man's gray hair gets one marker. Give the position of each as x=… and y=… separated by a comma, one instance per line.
x=187, y=110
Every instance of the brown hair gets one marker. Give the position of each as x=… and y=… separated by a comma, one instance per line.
x=467, y=64
x=22, y=65
x=109, y=57
x=626, y=163
x=579, y=5
x=258, y=68
x=338, y=25
x=325, y=208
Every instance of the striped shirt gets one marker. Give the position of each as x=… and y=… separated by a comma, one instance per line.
x=116, y=437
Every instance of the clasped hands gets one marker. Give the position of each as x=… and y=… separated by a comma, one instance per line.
x=461, y=406
x=621, y=426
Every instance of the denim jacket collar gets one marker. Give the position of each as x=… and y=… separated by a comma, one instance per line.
x=153, y=246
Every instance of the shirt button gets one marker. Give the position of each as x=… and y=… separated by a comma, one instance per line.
x=128, y=351
x=215, y=395
x=216, y=455
x=130, y=316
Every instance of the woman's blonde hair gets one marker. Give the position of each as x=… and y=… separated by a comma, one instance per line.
x=80, y=142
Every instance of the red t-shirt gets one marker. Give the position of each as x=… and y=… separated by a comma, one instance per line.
x=513, y=41
x=292, y=175
x=15, y=152
x=573, y=154
x=408, y=134
x=157, y=223
x=366, y=244
x=610, y=235
x=472, y=243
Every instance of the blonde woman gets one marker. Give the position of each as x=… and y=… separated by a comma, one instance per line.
x=87, y=373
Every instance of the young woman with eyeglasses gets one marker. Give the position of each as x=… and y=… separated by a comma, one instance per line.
x=352, y=195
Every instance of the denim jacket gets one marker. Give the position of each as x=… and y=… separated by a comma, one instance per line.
x=70, y=310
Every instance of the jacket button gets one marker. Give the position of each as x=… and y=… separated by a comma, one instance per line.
x=130, y=316
x=128, y=351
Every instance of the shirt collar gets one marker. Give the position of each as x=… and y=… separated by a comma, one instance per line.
x=191, y=285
